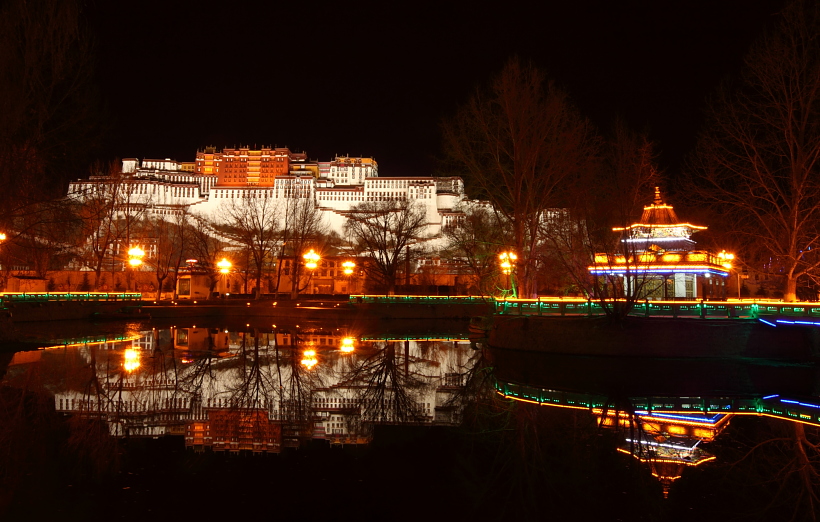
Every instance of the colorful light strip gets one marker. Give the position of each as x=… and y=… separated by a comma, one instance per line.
x=784, y=321
x=662, y=269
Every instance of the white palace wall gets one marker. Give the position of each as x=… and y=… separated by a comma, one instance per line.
x=162, y=188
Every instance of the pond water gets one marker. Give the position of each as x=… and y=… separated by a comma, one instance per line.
x=394, y=422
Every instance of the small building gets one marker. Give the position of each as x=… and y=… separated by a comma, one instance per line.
x=658, y=259
x=25, y=283
x=193, y=286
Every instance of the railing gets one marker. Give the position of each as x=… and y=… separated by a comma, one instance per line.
x=573, y=306
x=42, y=297
x=786, y=408
x=671, y=309
x=420, y=299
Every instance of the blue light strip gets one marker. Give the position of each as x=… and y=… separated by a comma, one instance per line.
x=638, y=271
x=784, y=321
x=714, y=418
x=770, y=396
x=801, y=403
x=767, y=322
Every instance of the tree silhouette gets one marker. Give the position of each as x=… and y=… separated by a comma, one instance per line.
x=756, y=162
x=519, y=142
x=383, y=231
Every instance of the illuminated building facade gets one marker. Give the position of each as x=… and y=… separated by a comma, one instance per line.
x=659, y=260
x=225, y=177
x=245, y=166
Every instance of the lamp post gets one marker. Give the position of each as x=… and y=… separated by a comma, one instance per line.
x=348, y=270
x=135, y=255
x=507, y=262
x=224, y=268
x=726, y=259
x=311, y=261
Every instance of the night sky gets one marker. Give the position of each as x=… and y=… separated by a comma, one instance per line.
x=376, y=79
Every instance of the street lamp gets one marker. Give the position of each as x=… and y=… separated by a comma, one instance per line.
x=348, y=266
x=224, y=268
x=135, y=255
x=507, y=262
x=311, y=260
x=726, y=259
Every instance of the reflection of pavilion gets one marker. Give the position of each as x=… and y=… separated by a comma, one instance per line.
x=667, y=443
x=658, y=259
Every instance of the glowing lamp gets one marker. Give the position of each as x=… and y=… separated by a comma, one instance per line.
x=131, y=360
x=726, y=259
x=135, y=255
x=348, y=267
x=507, y=261
x=348, y=344
x=311, y=259
x=224, y=266
x=309, y=359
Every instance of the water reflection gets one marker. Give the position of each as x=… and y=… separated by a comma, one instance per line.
x=666, y=412
x=254, y=389
x=526, y=423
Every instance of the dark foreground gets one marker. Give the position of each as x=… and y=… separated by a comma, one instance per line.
x=511, y=461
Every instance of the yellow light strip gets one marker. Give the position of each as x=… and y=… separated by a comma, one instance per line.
x=646, y=225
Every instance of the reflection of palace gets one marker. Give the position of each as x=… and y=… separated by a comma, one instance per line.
x=254, y=391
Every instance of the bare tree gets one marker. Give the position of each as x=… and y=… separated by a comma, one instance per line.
x=476, y=240
x=253, y=222
x=171, y=241
x=756, y=163
x=110, y=215
x=302, y=226
x=625, y=166
x=207, y=246
x=519, y=142
x=49, y=113
x=383, y=232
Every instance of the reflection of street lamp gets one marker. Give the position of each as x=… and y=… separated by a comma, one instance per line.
x=309, y=359
x=347, y=344
x=507, y=262
x=131, y=360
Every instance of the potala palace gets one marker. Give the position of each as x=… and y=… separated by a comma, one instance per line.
x=217, y=178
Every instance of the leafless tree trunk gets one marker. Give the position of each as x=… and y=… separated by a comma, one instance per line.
x=756, y=163
x=382, y=231
x=519, y=142
x=254, y=223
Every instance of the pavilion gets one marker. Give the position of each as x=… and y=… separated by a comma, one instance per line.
x=658, y=259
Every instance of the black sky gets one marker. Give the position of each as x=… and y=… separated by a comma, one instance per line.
x=376, y=79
